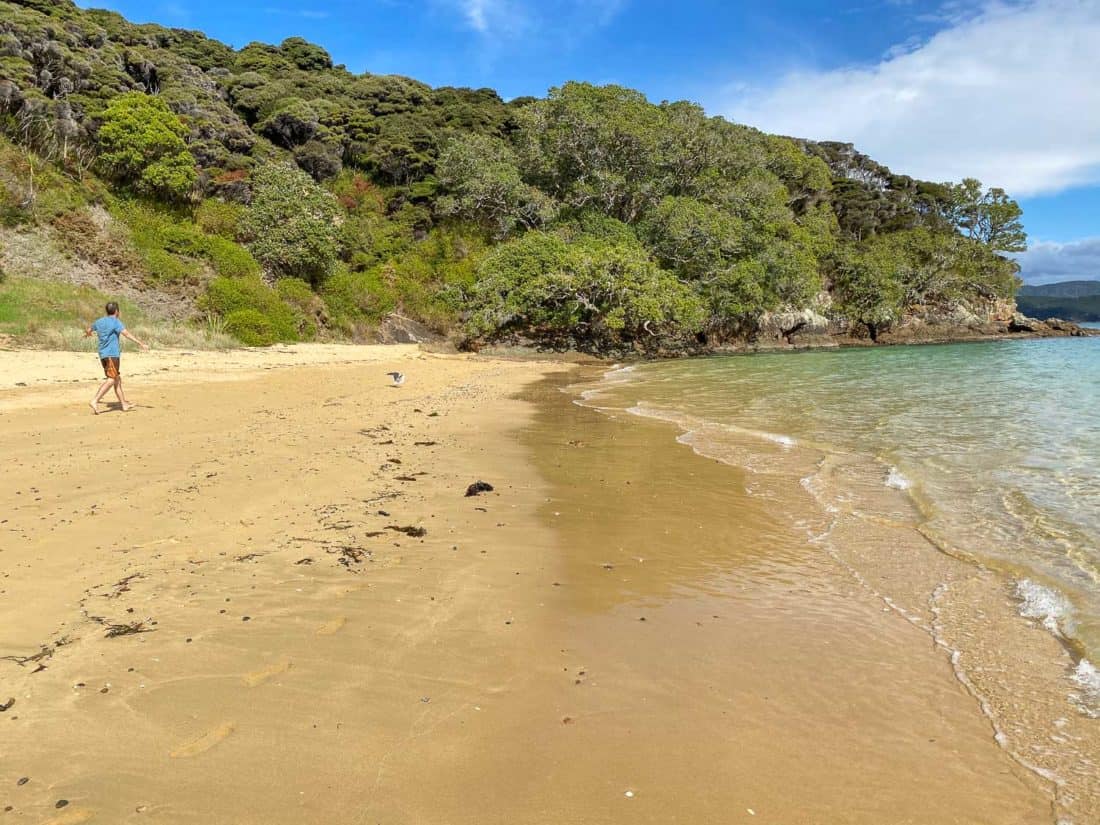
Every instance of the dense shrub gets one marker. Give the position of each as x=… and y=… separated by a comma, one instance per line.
x=308, y=307
x=220, y=218
x=245, y=299
x=251, y=327
x=291, y=226
x=357, y=300
x=141, y=143
x=176, y=250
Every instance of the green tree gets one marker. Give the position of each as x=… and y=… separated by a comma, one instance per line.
x=291, y=226
x=692, y=238
x=868, y=289
x=594, y=292
x=989, y=217
x=483, y=185
x=142, y=143
x=593, y=147
x=305, y=55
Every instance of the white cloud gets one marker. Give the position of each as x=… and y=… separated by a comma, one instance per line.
x=1009, y=94
x=476, y=14
x=1046, y=262
x=514, y=18
x=309, y=14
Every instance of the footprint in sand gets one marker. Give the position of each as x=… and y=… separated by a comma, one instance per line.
x=331, y=627
x=204, y=742
x=71, y=817
x=258, y=677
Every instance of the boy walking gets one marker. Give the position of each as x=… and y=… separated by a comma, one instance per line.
x=109, y=328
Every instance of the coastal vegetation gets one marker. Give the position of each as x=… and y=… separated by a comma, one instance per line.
x=281, y=197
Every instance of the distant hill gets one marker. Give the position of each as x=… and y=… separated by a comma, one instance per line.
x=1062, y=289
x=1068, y=309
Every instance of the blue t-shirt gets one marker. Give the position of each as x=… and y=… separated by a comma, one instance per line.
x=108, y=329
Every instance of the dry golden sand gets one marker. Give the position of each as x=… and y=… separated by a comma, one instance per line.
x=299, y=661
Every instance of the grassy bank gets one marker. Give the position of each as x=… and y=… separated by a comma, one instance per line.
x=53, y=314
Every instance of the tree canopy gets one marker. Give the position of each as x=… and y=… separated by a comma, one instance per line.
x=590, y=209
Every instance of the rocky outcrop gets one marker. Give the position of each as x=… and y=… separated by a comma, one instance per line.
x=397, y=329
x=803, y=329
x=797, y=328
x=958, y=322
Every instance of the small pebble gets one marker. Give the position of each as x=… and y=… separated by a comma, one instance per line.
x=61, y=803
x=246, y=618
x=23, y=780
x=629, y=794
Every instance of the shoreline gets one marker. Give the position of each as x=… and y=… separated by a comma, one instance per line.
x=298, y=652
x=532, y=349
x=1028, y=679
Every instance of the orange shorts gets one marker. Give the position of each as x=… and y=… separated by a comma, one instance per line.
x=110, y=367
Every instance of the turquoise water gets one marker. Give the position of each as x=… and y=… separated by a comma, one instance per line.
x=996, y=445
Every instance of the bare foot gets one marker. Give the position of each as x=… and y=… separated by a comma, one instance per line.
x=94, y=406
x=128, y=407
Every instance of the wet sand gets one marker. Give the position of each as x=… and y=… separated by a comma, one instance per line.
x=211, y=611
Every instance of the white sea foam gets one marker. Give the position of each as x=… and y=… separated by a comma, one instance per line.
x=617, y=371
x=1048, y=606
x=785, y=440
x=1088, y=677
x=614, y=377
x=895, y=479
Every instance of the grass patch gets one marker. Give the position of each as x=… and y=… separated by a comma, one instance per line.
x=176, y=250
x=53, y=315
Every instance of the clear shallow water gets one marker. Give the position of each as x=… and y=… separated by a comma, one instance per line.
x=994, y=446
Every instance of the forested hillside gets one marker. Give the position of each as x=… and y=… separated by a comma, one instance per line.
x=1062, y=289
x=1070, y=300
x=279, y=197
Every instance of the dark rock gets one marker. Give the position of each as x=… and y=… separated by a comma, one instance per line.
x=478, y=487
x=1021, y=323
x=397, y=329
x=415, y=532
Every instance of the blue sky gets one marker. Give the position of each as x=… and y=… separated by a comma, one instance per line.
x=1007, y=91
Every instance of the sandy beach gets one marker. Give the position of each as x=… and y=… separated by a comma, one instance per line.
x=263, y=597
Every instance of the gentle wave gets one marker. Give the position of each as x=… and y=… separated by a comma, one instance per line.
x=692, y=424
x=614, y=377
x=1048, y=606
